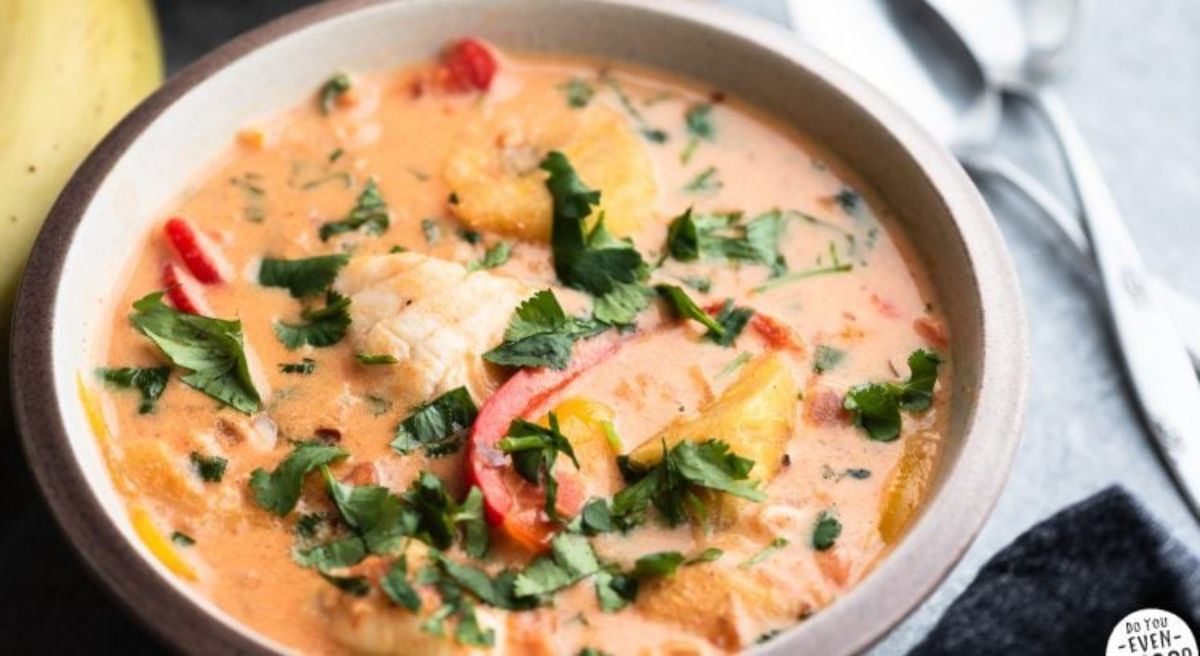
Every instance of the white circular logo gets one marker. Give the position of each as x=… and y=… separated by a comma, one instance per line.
x=1151, y=632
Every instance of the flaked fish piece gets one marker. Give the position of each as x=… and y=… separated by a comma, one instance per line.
x=434, y=317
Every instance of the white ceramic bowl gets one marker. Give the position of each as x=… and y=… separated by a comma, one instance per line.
x=173, y=137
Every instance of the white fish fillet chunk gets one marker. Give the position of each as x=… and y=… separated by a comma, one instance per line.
x=433, y=316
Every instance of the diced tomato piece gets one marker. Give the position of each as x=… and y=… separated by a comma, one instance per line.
x=183, y=291
x=510, y=502
x=470, y=65
x=199, y=255
x=932, y=331
x=775, y=334
x=885, y=307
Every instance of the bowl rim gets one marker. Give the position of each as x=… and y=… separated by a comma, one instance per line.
x=179, y=620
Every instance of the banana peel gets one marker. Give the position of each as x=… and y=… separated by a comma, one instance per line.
x=69, y=70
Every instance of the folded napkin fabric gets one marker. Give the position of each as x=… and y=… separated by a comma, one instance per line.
x=1062, y=586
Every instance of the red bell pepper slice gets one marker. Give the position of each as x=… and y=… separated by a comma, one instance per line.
x=198, y=254
x=183, y=291
x=510, y=502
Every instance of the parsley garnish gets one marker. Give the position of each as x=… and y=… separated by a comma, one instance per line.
x=826, y=358
x=608, y=268
x=684, y=307
x=766, y=552
x=534, y=450
x=278, y=491
x=876, y=407
x=672, y=485
x=370, y=212
x=333, y=87
x=540, y=334
x=438, y=426
x=304, y=367
x=210, y=349
x=150, y=381
x=826, y=531
x=733, y=321
x=579, y=92
x=211, y=469
x=699, y=127
x=375, y=358
x=303, y=277
x=324, y=326
x=495, y=255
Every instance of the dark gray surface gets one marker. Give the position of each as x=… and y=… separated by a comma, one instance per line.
x=1135, y=91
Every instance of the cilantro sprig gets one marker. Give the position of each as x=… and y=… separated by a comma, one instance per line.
x=540, y=334
x=608, y=268
x=692, y=236
x=279, y=490
x=674, y=485
x=875, y=407
x=212, y=350
x=534, y=450
x=438, y=426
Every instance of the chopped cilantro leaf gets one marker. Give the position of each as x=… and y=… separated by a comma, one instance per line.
x=826, y=358
x=692, y=237
x=352, y=585
x=534, y=450
x=685, y=307
x=826, y=531
x=766, y=552
x=702, y=285
x=150, y=381
x=278, y=491
x=495, y=255
x=698, y=121
x=592, y=651
x=397, y=588
x=470, y=236
x=210, y=349
x=304, y=367
x=608, y=268
x=594, y=519
x=303, y=277
x=333, y=555
x=705, y=181
x=707, y=556
x=374, y=359
x=662, y=563
x=876, y=407
x=211, y=469
x=579, y=92
x=369, y=212
x=182, y=539
x=333, y=87
x=672, y=484
x=438, y=426
x=323, y=326
x=440, y=518
x=615, y=590
x=571, y=559
x=540, y=334
x=733, y=321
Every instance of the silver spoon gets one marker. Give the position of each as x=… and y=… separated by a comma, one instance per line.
x=1153, y=351
x=916, y=58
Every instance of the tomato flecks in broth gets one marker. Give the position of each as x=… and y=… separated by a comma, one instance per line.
x=373, y=246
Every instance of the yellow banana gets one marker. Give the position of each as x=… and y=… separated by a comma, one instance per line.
x=69, y=69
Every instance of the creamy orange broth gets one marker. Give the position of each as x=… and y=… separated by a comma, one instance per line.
x=877, y=313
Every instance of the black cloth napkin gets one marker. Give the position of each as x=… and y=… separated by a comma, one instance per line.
x=1062, y=586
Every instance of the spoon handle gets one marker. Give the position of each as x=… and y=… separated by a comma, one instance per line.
x=1154, y=355
x=1182, y=310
